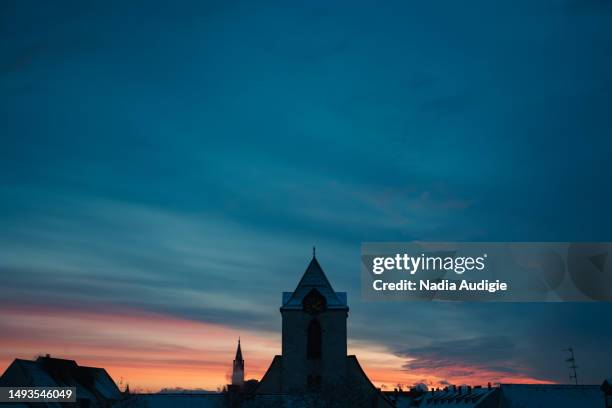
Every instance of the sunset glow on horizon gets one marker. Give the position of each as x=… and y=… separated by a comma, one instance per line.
x=169, y=171
x=151, y=351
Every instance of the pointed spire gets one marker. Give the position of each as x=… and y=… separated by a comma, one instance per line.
x=238, y=352
x=314, y=251
x=238, y=367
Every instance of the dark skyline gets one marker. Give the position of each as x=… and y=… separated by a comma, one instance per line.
x=176, y=163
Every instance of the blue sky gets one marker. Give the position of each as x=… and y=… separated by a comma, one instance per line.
x=183, y=158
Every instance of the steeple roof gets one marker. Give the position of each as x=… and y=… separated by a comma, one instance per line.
x=238, y=352
x=314, y=278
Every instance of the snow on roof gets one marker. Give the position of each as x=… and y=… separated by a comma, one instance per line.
x=403, y=400
x=37, y=375
x=186, y=400
x=90, y=382
x=82, y=392
x=462, y=396
x=103, y=383
x=314, y=278
x=551, y=395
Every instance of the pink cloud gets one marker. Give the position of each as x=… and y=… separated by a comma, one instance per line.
x=148, y=350
x=151, y=351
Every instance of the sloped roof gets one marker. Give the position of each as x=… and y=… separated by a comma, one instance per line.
x=314, y=278
x=459, y=396
x=103, y=383
x=36, y=374
x=551, y=395
x=90, y=382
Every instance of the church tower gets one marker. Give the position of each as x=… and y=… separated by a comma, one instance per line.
x=314, y=356
x=238, y=368
x=314, y=332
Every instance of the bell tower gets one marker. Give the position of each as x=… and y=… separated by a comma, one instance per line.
x=314, y=333
x=314, y=359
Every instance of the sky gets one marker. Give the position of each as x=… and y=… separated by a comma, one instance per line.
x=166, y=168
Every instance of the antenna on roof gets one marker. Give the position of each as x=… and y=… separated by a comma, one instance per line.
x=314, y=250
x=572, y=365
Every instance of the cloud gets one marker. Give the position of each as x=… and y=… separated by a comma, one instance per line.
x=477, y=351
x=146, y=349
x=474, y=360
x=105, y=252
x=184, y=166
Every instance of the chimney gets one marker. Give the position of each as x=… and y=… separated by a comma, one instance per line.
x=489, y=385
x=469, y=389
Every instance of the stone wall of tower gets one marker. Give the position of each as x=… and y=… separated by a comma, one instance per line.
x=238, y=373
x=296, y=367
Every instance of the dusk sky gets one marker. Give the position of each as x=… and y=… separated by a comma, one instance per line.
x=166, y=168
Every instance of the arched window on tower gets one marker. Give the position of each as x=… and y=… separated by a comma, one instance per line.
x=313, y=347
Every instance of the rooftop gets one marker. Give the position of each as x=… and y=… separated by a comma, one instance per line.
x=314, y=278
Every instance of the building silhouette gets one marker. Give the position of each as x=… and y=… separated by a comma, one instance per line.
x=94, y=387
x=313, y=370
x=314, y=345
x=238, y=368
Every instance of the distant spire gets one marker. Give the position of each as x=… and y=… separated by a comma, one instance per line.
x=238, y=351
x=238, y=367
x=314, y=251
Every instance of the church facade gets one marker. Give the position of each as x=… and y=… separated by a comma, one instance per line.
x=314, y=346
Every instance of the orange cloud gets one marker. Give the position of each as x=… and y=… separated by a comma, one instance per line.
x=151, y=351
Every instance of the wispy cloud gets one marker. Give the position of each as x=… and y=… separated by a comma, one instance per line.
x=149, y=350
x=185, y=165
x=475, y=360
